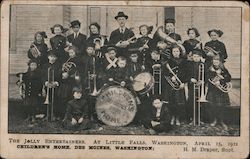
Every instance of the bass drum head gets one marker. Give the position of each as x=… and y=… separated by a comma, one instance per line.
x=143, y=82
x=116, y=106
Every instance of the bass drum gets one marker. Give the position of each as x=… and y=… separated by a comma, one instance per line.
x=143, y=83
x=116, y=106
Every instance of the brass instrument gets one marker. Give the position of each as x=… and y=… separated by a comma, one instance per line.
x=130, y=40
x=21, y=85
x=93, y=77
x=157, y=80
x=166, y=37
x=201, y=97
x=34, y=51
x=51, y=84
x=68, y=66
x=209, y=49
x=175, y=85
x=224, y=88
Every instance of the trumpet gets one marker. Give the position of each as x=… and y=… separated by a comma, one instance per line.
x=209, y=49
x=201, y=97
x=157, y=72
x=175, y=85
x=167, y=38
x=224, y=88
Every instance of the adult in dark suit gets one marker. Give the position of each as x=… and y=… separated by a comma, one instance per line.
x=76, y=38
x=121, y=37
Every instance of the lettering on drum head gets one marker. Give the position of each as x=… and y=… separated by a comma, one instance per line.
x=116, y=106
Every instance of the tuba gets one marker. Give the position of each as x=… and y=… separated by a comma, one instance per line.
x=175, y=85
x=167, y=38
x=224, y=88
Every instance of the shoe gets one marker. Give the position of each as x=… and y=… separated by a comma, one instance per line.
x=224, y=125
x=178, y=122
x=172, y=121
x=213, y=123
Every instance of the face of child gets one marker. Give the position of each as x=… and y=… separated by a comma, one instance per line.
x=170, y=27
x=154, y=56
x=33, y=66
x=77, y=95
x=144, y=30
x=76, y=28
x=39, y=38
x=157, y=103
x=121, y=63
x=72, y=53
x=57, y=30
x=134, y=58
x=213, y=36
x=121, y=21
x=90, y=51
x=190, y=56
x=112, y=54
x=94, y=29
x=161, y=45
x=196, y=58
x=176, y=52
x=216, y=62
x=191, y=34
x=52, y=59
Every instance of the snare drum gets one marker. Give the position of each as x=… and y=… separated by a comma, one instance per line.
x=116, y=106
x=143, y=83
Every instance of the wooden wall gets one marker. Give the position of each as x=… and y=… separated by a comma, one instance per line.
x=26, y=20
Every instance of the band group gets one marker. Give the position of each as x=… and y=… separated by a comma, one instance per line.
x=170, y=79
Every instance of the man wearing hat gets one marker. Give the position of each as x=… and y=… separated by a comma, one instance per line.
x=120, y=37
x=76, y=38
x=169, y=31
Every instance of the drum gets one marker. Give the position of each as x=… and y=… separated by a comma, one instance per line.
x=143, y=83
x=115, y=106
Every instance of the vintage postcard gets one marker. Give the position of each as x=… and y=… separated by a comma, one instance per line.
x=124, y=79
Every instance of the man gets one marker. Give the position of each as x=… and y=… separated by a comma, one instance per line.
x=76, y=38
x=121, y=37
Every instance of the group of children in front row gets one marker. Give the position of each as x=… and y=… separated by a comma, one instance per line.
x=158, y=111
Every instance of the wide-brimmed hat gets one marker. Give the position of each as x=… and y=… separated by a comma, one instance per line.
x=219, y=32
x=75, y=23
x=121, y=14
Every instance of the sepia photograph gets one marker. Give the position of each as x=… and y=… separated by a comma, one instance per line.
x=138, y=70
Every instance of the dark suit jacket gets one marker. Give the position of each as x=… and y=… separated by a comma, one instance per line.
x=79, y=42
x=116, y=36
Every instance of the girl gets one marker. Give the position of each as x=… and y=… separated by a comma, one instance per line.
x=58, y=42
x=38, y=49
x=33, y=92
x=216, y=45
x=176, y=68
x=97, y=39
x=192, y=43
x=144, y=42
x=218, y=100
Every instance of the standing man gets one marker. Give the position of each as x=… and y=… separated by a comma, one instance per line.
x=122, y=37
x=76, y=38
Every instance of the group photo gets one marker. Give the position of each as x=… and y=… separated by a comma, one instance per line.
x=125, y=70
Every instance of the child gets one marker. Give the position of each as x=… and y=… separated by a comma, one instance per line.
x=77, y=39
x=176, y=68
x=218, y=100
x=76, y=116
x=194, y=81
x=58, y=42
x=51, y=77
x=159, y=119
x=192, y=43
x=216, y=45
x=38, y=49
x=33, y=92
x=134, y=66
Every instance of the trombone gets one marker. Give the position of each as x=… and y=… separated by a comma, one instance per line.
x=175, y=85
x=95, y=92
x=157, y=72
x=201, y=97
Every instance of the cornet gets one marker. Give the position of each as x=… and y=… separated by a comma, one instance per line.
x=224, y=88
x=175, y=85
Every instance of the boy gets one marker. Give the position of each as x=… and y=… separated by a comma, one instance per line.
x=76, y=117
x=77, y=39
x=134, y=66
